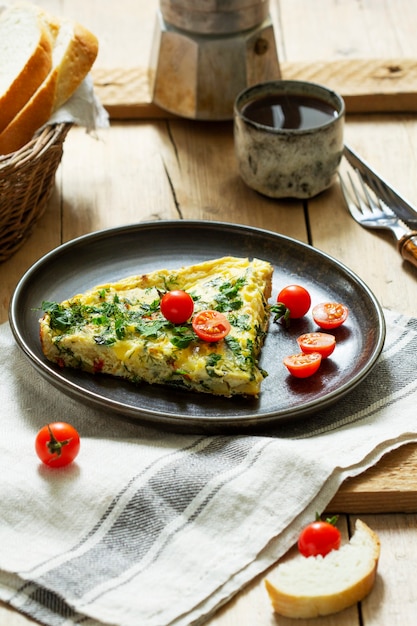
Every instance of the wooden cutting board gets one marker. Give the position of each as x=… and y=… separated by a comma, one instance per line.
x=368, y=86
x=388, y=487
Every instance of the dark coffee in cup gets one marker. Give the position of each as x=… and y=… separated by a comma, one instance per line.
x=294, y=111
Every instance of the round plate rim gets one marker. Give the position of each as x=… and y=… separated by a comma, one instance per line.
x=155, y=417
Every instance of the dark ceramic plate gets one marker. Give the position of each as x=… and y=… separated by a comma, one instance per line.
x=112, y=254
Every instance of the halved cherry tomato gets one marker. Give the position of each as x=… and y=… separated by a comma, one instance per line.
x=317, y=342
x=57, y=444
x=329, y=315
x=211, y=325
x=303, y=365
x=319, y=537
x=296, y=299
x=177, y=306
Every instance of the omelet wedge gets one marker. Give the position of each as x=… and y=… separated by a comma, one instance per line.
x=118, y=329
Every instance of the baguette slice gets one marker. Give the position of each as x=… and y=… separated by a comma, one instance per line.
x=309, y=587
x=25, y=57
x=118, y=328
x=74, y=52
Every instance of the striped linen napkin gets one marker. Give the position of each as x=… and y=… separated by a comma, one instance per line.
x=161, y=529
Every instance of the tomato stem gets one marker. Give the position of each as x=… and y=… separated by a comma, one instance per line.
x=55, y=446
x=330, y=520
x=282, y=313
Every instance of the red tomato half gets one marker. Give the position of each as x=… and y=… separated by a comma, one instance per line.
x=177, y=306
x=303, y=365
x=329, y=315
x=317, y=342
x=211, y=325
x=319, y=537
x=296, y=299
x=57, y=444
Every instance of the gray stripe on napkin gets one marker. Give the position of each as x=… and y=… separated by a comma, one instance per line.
x=154, y=505
x=155, y=508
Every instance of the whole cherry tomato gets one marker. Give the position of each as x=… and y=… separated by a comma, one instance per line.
x=329, y=315
x=303, y=365
x=317, y=342
x=177, y=306
x=211, y=325
x=319, y=537
x=296, y=298
x=57, y=444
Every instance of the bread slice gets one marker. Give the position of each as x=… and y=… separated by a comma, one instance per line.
x=74, y=51
x=25, y=57
x=118, y=328
x=313, y=586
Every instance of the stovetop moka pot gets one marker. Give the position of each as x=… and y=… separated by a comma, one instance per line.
x=206, y=51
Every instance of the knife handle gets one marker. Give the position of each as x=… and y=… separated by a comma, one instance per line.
x=407, y=246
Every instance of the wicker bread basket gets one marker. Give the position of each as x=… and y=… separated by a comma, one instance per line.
x=27, y=179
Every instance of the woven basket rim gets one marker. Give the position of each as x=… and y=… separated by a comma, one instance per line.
x=40, y=142
x=27, y=179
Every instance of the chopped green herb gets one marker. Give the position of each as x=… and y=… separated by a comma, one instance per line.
x=151, y=327
x=182, y=336
x=244, y=356
x=211, y=364
x=105, y=340
x=63, y=318
x=228, y=298
x=240, y=321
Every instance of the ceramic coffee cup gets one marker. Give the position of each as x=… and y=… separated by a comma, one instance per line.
x=288, y=137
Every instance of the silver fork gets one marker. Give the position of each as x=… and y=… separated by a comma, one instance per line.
x=389, y=196
x=370, y=212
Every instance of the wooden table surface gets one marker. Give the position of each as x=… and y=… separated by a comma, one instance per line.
x=154, y=166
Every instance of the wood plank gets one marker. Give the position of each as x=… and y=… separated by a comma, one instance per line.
x=252, y=605
x=393, y=598
x=124, y=183
x=381, y=607
x=201, y=166
x=367, y=86
x=389, y=486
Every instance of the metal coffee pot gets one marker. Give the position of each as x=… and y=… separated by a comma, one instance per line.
x=206, y=51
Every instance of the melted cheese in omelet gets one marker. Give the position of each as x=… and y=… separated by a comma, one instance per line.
x=118, y=328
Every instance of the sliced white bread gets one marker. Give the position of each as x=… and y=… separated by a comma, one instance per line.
x=73, y=55
x=25, y=57
x=313, y=586
x=74, y=51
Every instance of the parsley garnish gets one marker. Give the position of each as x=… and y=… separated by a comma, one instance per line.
x=182, y=336
x=63, y=318
x=228, y=298
x=244, y=356
x=211, y=363
x=151, y=327
x=240, y=321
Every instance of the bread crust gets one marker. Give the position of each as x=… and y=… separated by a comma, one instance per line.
x=31, y=75
x=296, y=604
x=79, y=52
x=79, y=59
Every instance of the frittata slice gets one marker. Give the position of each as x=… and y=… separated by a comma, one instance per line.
x=118, y=328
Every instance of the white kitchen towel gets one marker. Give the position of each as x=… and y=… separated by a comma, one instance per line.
x=158, y=529
x=83, y=108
